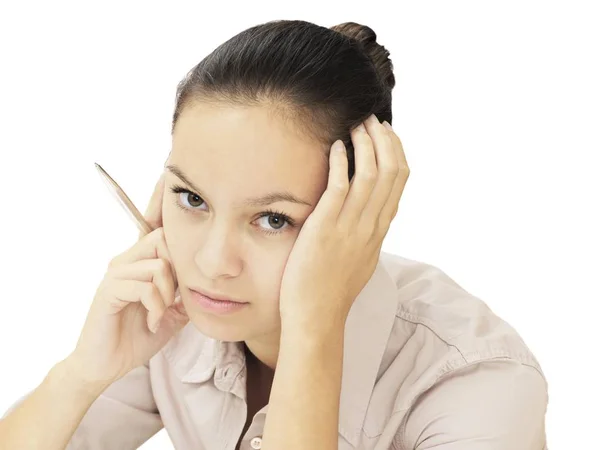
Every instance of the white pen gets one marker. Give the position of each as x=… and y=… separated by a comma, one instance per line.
x=130, y=208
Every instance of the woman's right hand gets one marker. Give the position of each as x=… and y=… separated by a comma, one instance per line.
x=138, y=292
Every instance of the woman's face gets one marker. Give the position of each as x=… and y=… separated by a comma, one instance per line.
x=217, y=242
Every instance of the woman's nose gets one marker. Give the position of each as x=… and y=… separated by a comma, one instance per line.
x=218, y=255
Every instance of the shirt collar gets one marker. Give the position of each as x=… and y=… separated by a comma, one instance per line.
x=196, y=358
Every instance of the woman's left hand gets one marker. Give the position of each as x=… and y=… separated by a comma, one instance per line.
x=338, y=247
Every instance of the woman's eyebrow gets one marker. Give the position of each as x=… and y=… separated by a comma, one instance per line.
x=264, y=200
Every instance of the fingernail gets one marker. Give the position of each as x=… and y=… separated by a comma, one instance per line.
x=361, y=127
x=338, y=146
x=387, y=125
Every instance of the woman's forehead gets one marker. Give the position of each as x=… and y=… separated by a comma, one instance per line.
x=241, y=125
x=245, y=151
x=243, y=138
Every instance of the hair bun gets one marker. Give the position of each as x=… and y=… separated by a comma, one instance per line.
x=367, y=40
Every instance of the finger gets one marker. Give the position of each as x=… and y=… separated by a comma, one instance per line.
x=173, y=320
x=398, y=147
x=387, y=173
x=157, y=271
x=330, y=203
x=388, y=212
x=151, y=246
x=364, y=178
x=153, y=214
x=130, y=291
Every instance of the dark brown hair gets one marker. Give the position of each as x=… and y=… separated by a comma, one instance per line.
x=327, y=79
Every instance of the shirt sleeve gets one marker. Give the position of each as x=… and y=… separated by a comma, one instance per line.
x=123, y=417
x=492, y=405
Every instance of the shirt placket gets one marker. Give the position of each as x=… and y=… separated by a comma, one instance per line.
x=253, y=438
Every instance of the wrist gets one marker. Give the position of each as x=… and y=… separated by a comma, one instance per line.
x=314, y=330
x=72, y=370
x=321, y=341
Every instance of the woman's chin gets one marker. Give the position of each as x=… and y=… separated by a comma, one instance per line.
x=218, y=329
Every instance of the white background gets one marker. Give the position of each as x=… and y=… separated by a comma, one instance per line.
x=497, y=105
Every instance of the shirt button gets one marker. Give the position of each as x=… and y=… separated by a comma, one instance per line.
x=256, y=443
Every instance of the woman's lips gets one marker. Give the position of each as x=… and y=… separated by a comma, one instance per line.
x=216, y=306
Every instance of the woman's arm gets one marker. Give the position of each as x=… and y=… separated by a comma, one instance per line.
x=48, y=417
x=123, y=416
x=333, y=258
x=305, y=396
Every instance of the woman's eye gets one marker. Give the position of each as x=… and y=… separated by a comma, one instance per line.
x=191, y=199
x=274, y=222
x=186, y=199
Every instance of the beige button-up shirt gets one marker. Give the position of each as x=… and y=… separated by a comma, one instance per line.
x=426, y=366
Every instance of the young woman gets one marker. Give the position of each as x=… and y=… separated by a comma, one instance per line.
x=294, y=330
